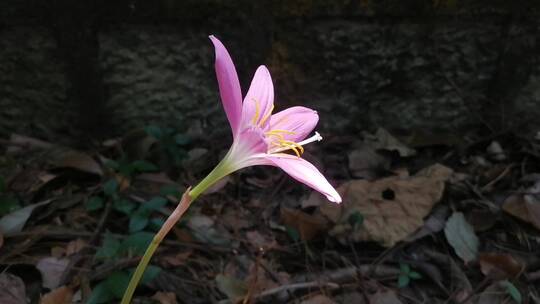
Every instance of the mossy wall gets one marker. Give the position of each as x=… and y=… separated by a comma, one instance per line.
x=413, y=65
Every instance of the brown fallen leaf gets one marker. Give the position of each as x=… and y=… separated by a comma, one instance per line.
x=318, y=299
x=77, y=160
x=392, y=208
x=493, y=294
x=12, y=289
x=516, y=206
x=384, y=297
x=178, y=259
x=383, y=140
x=165, y=297
x=75, y=246
x=309, y=226
x=61, y=295
x=500, y=266
x=532, y=203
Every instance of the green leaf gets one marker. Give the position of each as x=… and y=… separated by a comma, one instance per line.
x=156, y=223
x=136, y=243
x=100, y=294
x=109, y=248
x=460, y=235
x=110, y=187
x=415, y=275
x=293, y=233
x=150, y=273
x=404, y=268
x=154, y=131
x=112, y=164
x=8, y=204
x=138, y=220
x=356, y=219
x=155, y=203
x=170, y=190
x=123, y=205
x=144, y=166
x=403, y=280
x=117, y=283
x=181, y=139
x=512, y=290
x=94, y=203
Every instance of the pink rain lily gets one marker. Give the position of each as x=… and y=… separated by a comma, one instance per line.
x=260, y=137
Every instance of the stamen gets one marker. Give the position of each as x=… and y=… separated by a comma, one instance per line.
x=284, y=145
x=257, y=111
x=263, y=120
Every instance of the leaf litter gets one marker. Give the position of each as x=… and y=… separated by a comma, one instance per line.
x=457, y=218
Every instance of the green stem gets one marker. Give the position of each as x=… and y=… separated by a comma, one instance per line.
x=221, y=170
x=183, y=205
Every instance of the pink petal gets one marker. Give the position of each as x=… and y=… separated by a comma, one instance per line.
x=300, y=120
x=304, y=172
x=229, y=86
x=248, y=142
x=259, y=99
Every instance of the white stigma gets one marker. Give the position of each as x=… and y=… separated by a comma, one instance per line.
x=316, y=137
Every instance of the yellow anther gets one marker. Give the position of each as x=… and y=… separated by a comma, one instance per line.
x=265, y=118
x=281, y=131
x=257, y=111
x=294, y=144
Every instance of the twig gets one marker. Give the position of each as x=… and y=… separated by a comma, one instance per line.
x=331, y=279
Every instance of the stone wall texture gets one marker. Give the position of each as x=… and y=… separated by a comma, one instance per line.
x=361, y=69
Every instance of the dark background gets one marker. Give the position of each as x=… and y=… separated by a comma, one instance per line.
x=78, y=71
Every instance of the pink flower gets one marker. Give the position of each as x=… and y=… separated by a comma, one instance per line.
x=260, y=137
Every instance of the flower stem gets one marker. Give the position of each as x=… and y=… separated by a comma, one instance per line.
x=183, y=205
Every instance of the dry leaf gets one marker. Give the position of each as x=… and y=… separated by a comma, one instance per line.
x=500, y=266
x=494, y=294
x=51, y=270
x=383, y=140
x=309, y=226
x=365, y=162
x=75, y=246
x=392, y=208
x=78, y=161
x=178, y=259
x=61, y=295
x=532, y=203
x=12, y=289
x=165, y=297
x=433, y=224
x=318, y=299
x=516, y=206
x=384, y=297
x=259, y=241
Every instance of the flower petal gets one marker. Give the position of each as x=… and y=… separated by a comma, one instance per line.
x=259, y=99
x=249, y=142
x=300, y=120
x=229, y=85
x=304, y=172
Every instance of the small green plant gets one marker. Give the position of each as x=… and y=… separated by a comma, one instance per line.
x=406, y=275
x=171, y=144
x=134, y=244
x=512, y=291
x=8, y=202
